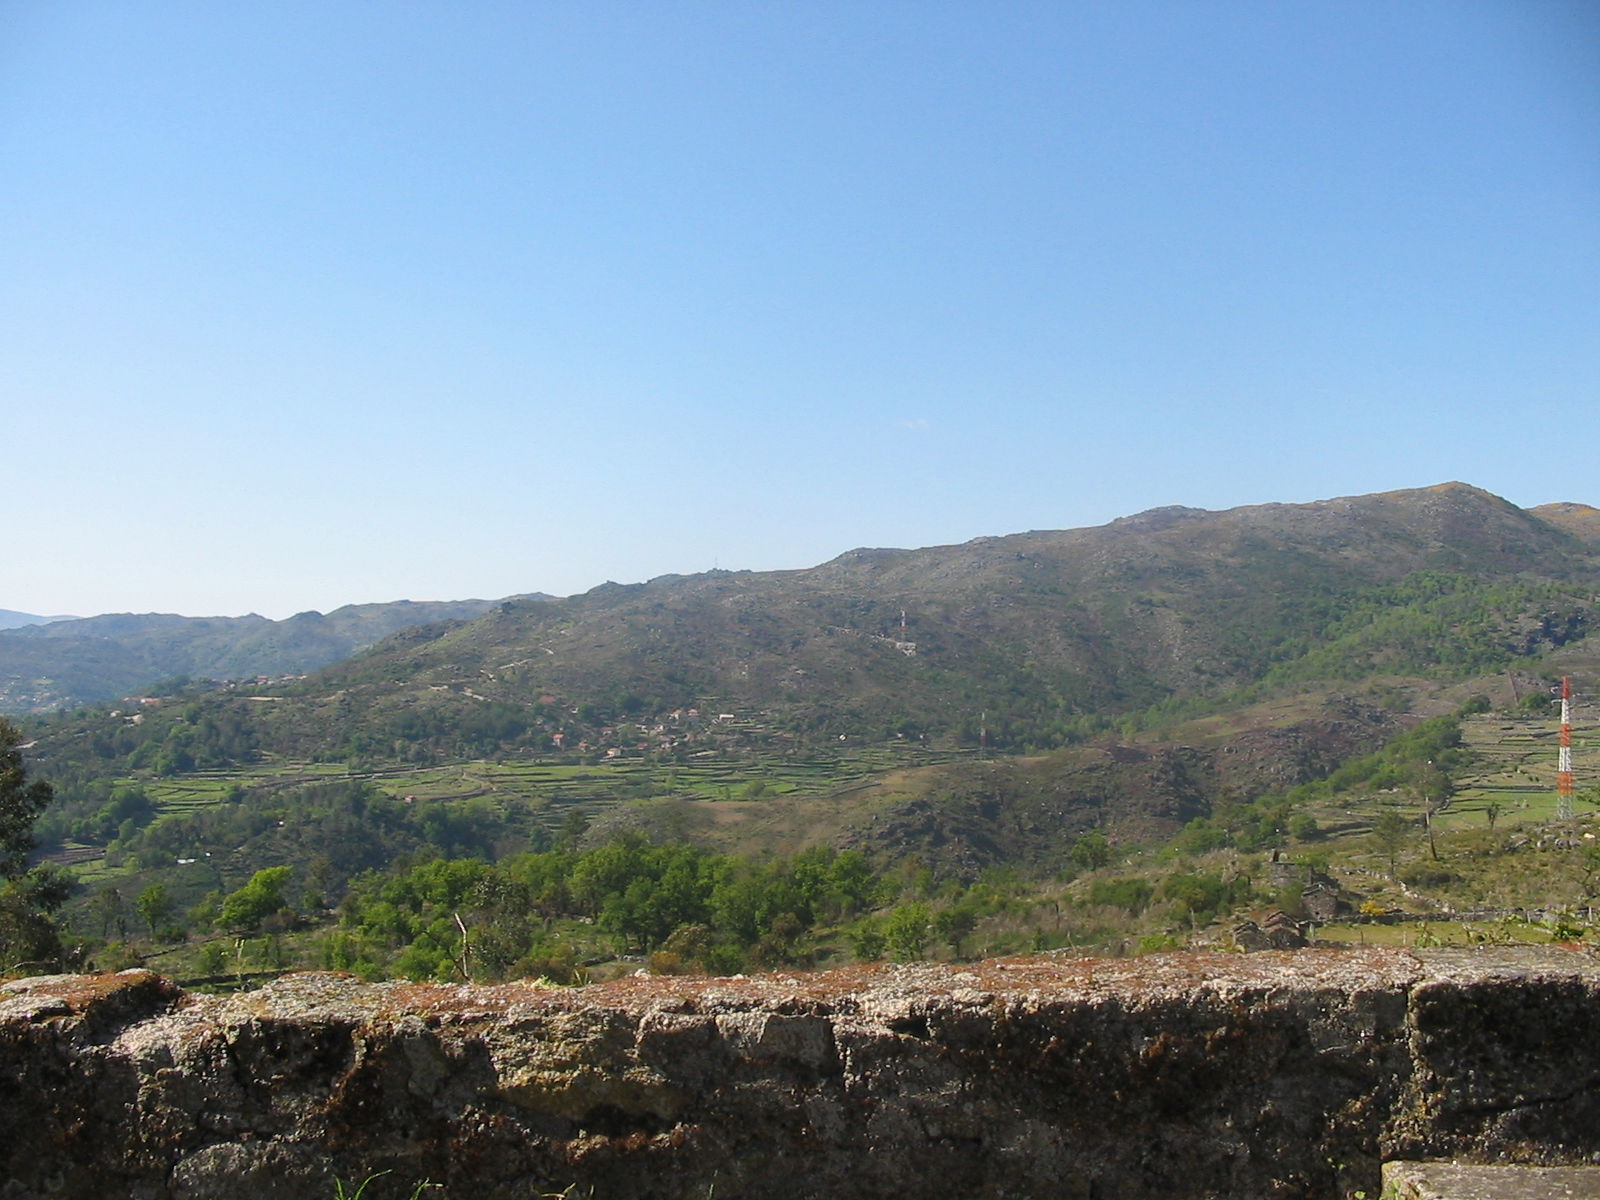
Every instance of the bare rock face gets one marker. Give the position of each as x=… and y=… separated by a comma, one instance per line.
x=1272, y=1075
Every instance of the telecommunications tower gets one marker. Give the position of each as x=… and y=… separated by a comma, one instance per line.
x=1564, y=755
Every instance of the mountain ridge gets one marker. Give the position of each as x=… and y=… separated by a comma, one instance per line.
x=10, y=618
x=1041, y=628
x=1026, y=640
x=88, y=660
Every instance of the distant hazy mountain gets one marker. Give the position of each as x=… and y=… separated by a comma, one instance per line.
x=10, y=619
x=72, y=662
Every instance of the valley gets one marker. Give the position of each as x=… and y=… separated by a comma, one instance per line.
x=1095, y=741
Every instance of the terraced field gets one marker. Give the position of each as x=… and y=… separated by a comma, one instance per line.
x=552, y=790
x=751, y=805
x=1512, y=777
x=1515, y=769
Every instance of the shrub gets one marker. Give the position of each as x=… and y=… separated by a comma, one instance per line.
x=1132, y=895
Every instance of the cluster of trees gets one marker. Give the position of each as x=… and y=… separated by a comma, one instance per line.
x=1192, y=898
x=1433, y=623
x=1421, y=760
x=678, y=908
x=28, y=895
x=220, y=731
x=196, y=736
x=101, y=814
x=350, y=823
x=450, y=918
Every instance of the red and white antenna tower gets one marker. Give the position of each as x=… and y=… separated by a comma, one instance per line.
x=1564, y=755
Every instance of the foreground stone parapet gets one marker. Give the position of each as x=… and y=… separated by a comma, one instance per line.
x=1272, y=1075
x=1455, y=1181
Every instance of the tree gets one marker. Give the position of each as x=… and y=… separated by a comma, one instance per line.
x=256, y=900
x=1196, y=896
x=28, y=896
x=21, y=803
x=1589, y=870
x=1391, y=829
x=906, y=933
x=1091, y=851
x=109, y=910
x=866, y=940
x=572, y=830
x=154, y=905
x=954, y=923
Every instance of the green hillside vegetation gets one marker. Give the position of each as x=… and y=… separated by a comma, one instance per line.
x=385, y=886
x=1091, y=739
x=1441, y=628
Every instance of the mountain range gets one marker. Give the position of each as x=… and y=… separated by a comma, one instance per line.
x=1026, y=639
x=51, y=663
x=1030, y=640
x=11, y=619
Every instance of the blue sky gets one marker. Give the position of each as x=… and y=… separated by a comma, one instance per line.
x=312, y=304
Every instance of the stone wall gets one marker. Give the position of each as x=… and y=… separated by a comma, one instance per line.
x=1272, y=1075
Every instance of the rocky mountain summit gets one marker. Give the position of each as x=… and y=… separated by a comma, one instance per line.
x=1272, y=1075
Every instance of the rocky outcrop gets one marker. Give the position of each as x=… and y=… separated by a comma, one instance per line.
x=1268, y=1075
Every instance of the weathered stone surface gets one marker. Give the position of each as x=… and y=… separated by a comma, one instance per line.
x=1268, y=1075
x=1455, y=1181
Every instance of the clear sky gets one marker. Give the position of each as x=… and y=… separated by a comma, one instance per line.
x=306, y=304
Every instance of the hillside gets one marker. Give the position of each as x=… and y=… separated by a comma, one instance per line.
x=974, y=814
x=1581, y=520
x=1031, y=641
x=63, y=663
x=1241, y=652
x=1040, y=628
